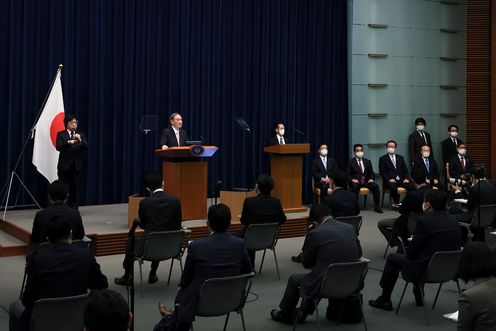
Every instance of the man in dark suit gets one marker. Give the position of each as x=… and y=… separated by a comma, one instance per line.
x=450, y=144
x=71, y=144
x=57, y=197
x=436, y=231
x=361, y=174
x=341, y=201
x=107, y=310
x=323, y=167
x=174, y=135
x=426, y=167
x=460, y=165
x=417, y=139
x=60, y=270
x=218, y=255
x=279, y=138
x=394, y=172
x=331, y=242
x=159, y=212
x=262, y=208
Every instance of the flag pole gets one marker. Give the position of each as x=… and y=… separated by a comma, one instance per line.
x=13, y=174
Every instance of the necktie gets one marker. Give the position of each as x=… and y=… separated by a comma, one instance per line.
x=393, y=159
x=427, y=165
x=424, y=137
x=281, y=141
x=324, y=160
x=462, y=160
x=360, y=163
x=177, y=137
x=454, y=142
x=72, y=134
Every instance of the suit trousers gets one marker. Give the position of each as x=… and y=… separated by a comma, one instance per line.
x=394, y=264
x=135, y=247
x=373, y=187
x=393, y=189
x=71, y=178
x=291, y=297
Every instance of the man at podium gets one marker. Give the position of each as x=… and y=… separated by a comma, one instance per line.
x=279, y=138
x=174, y=135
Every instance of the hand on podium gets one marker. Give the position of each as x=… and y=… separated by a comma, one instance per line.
x=164, y=147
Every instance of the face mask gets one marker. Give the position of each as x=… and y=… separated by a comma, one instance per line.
x=323, y=152
x=420, y=127
x=391, y=150
x=426, y=154
x=462, y=151
x=359, y=154
x=281, y=132
x=453, y=134
x=425, y=207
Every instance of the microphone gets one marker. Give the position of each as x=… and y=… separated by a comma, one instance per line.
x=301, y=133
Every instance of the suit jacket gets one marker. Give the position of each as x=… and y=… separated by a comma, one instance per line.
x=41, y=219
x=275, y=141
x=487, y=194
x=318, y=170
x=449, y=149
x=388, y=171
x=455, y=166
x=262, y=209
x=415, y=143
x=342, y=203
x=420, y=169
x=218, y=255
x=355, y=172
x=160, y=212
x=70, y=154
x=331, y=242
x=413, y=200
x=476, y=306
x=168, y=137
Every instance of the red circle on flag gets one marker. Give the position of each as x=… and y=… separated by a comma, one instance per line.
x=56, y=126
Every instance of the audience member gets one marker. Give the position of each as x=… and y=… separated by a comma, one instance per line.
x=460, y=164
x=107, y=311
x=58, y=192
x=394, y=172
x=417, y=139
x=159, y=212
x=341, y=201
x=476, y=305
x=436, y=231
x=450, y=144
x=60, y=270
x=362, y=174
x=426, y=167
x=323, y=167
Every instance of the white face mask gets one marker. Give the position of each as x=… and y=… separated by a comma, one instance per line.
x=425, y=207
x=323, y=152
x=281, y=132
x=359, y=154
x=426, y=154
x=453, y=134
x=391, y=150
x=420, y=127
x=462, y=151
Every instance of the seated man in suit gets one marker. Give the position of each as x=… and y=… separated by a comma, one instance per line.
x=340, y=201
x=322, y=168
x=450, y=144
x=159, y=212
x=58, y=192
x=417, y=139
x=330, y=242
x=107, y=310
x=279, y=138
x=218, y=255
x=426, y=167
x=60, y=270
x=174, y=135
x=361, y=174
x=394, y=172
x=460, y=164
x=434, y=232
x=262, y=208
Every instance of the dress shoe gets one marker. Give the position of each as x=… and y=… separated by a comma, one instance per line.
x=396, y=205
x=278, y=316
x=378, y=209
x=297, y=258
x=418, y=296
x=381, y=304
x=300, y=315
x=152, y=279
x=124, y=280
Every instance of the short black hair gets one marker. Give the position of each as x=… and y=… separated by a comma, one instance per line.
x=106, y=311
x=436, y=198
x=319, y=211
x=57, y=229
x=265, y=184
x=339, y=178
x=461, y=143
x=277, y=125
x=153, y=181
x=392, y=141
x=321, y=144
x=58, y=190
x=67, y=118
x=452, y=126
x=357, y=145
x=420, y=120
x=219, y=217
x=477, y=261
x=478, y=171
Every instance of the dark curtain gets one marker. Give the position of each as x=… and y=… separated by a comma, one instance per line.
x=211, y=61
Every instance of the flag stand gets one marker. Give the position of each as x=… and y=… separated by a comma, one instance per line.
x=13, y=173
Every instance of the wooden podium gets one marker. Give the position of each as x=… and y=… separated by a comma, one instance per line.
x=286, y=169
x=185, y=175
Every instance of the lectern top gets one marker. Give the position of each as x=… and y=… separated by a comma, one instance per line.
x=288, y=149
x=183, y=152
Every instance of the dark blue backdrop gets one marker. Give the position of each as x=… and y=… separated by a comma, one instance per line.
x=209, y=60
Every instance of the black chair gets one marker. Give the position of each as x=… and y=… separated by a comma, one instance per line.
x=442, y=268
x=341, y=281
x=356, y=221
x=263, y=236
x=487, y=219
x=222, y=296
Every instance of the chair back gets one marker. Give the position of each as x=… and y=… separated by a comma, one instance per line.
x=412, y=221
x=356, y=221
x=220, y=296
x=261, y=236
x=343, y=279
x=487, y=216
x=443, y=266
x=59, y=314
x=162, y=245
